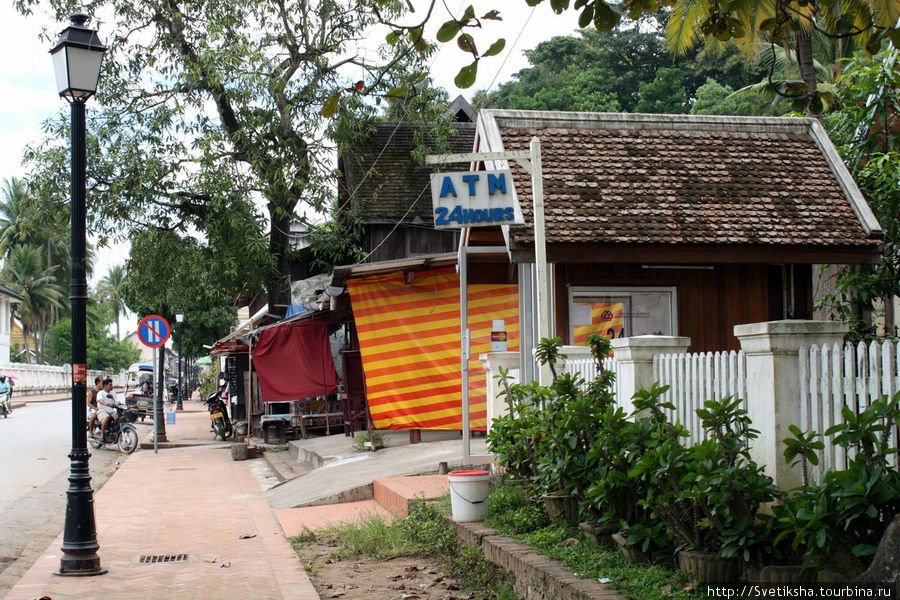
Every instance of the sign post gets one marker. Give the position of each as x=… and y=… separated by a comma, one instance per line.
x=154, y=332
x=486, y=198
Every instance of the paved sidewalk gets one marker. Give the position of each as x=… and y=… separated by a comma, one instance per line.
x=191, y=500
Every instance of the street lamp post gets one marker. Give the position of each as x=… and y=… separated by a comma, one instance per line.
x=179, y=318
x=77, y=58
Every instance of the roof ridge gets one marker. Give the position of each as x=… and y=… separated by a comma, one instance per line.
x=545, y=119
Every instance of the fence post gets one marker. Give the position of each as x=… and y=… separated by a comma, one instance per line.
x=773, y=385
x=492, y=361
x=635, y=358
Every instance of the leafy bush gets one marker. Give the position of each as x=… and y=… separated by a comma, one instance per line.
x=707, y=494
x=842, y=519
x=656, y=581
x=547, y=435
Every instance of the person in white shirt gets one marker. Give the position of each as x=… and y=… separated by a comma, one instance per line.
x=106, y=405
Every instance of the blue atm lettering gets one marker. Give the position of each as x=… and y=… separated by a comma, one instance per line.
x=444, y=216
x=447, y=188
x=496, y=182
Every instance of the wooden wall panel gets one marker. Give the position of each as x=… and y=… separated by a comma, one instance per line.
x=710, y=301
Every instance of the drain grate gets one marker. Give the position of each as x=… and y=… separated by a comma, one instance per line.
x=162, y=558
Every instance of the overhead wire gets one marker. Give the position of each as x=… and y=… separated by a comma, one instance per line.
x=422, y=192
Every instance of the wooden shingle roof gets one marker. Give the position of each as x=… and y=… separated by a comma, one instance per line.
x=382, y=178
x=678, y=181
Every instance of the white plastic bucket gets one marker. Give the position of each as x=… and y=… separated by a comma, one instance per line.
x=468, y=494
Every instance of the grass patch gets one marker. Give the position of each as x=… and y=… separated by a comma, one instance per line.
x=361, y=441
x=423, y=533
x=280, y=448
x=525, y=521
x=369, y=536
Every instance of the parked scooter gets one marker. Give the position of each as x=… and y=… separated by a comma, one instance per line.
x=120, y=431
x=218, y=415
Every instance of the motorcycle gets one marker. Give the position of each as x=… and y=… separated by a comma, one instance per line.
x=119, y=432
x=218, y=415
x=5, y=407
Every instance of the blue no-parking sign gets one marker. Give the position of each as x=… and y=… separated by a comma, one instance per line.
x=153, y=331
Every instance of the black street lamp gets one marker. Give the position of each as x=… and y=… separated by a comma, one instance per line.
x=179, y=318
x=77, y=58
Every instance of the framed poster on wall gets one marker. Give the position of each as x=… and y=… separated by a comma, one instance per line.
x=621, y=311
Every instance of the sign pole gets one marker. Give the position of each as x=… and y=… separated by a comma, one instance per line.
x=443, y=186
x=154, y=331
x=155, y=411
x=540, y=255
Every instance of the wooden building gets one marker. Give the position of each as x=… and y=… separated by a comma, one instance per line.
x=388, y=191
x=677, y=224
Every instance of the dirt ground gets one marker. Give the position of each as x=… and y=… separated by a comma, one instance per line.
x=392, y=578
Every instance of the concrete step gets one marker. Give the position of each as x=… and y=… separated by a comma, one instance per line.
x=286, y=466
x=391, y=499
x=295, y=521
x=395, y=493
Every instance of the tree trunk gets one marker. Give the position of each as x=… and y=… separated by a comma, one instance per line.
x=803, y=45
x=25, y=343
x=279, y=292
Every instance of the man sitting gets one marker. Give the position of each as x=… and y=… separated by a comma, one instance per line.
x=92, y=402
x=106, y=406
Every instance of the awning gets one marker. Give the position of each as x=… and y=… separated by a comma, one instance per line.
x=228, y=347
x=409, y=336
x=294, y=361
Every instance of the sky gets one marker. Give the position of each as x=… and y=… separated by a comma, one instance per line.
x=28, y=91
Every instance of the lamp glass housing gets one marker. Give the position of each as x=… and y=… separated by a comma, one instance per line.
x=77, y=60
x=179, y=316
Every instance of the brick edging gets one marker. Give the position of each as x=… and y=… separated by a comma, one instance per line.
x=535, y=576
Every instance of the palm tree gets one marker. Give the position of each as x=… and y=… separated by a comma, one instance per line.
x=783, y=74
x=18, y=219
x=747, y=24
x=27, y=276
x=110, y=291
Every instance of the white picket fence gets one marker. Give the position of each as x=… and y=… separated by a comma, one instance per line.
x=580, y=361
x=834, y=376
x=695, y=378
x=830, y=378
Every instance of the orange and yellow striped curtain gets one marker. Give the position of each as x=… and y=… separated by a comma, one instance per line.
x=607, y=319
x=410, y=345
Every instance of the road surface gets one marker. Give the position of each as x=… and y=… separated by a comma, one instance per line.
x=34, y=466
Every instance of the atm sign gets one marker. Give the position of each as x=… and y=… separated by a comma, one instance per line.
x=474, y=199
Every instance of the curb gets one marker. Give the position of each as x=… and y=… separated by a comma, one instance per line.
x=164, y=445
x=536, y=576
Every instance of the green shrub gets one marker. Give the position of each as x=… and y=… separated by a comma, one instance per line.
x=841, y=520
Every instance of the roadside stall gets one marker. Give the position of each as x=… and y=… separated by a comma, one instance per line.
x=297, y=378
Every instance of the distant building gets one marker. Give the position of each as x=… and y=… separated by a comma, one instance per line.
x=147, y=353
x=7, y=299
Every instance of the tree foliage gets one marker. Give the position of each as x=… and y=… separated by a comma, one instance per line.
x=189, y=278
x=104, y=351
x=788, y=23
x=110, y=291
x=209, y=119
x=26, y=274
x=865, y=131
x=714, y=98
x=607, y=71
x=665, y=94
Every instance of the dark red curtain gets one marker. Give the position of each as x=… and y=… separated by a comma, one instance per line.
x=294, y=361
